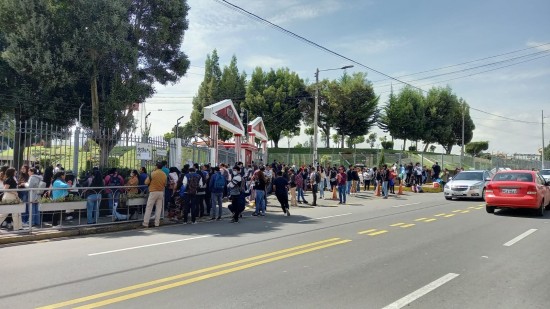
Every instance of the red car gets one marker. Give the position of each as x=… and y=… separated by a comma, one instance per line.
x=518, y=189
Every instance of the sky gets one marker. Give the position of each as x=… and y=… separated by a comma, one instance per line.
x=455, y=40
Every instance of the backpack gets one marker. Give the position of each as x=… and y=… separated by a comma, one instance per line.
x=219, y=182
x=193, y=183
x=114, y=181
x=317, y=177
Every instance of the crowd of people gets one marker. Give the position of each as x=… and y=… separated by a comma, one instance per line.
x=196, y=191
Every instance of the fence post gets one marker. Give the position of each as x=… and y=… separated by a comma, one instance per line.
x=76, y=146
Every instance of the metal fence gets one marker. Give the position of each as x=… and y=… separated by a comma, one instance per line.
x=425, y=159
x=80, y=149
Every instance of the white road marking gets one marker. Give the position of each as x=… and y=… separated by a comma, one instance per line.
x=325, y=217
x=421, y=292
x=151, y=245
x=404, y=205
x=520, y=237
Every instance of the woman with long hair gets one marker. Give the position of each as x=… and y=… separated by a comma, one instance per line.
x=61, y=186
x=11, y=183
x=259, y=187
x=300, y=186
x=133, y=182
x=93, y=197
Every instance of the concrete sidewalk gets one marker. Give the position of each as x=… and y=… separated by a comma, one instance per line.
x=273, y=206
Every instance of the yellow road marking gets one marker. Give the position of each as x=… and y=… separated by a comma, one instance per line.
x=472, y=207
x=458, y=210
x=421, y=219
x=367, y=231
x=430, y=220
x=378, y=233
x=408, y=225
x=397, y=224
x=465, y=211
x=481, y=207
x=207, y=276
x=439, y=215
x=180, y=276
x=448, y=216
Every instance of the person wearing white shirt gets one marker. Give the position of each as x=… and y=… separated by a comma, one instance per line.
x=191, y=195
x=314, y=178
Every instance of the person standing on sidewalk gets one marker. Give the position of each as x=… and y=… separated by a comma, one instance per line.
x=314, y=179
x=341, y=180
x=280, y=185
x=157, y=184
x=349, y=179
x=235, y=191
x=384, y=177
x=300, y=186
x=259, y=187
x=192, y=183
x=292, y=181
x=217, y=188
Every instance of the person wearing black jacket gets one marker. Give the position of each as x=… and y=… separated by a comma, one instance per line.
x=349, y=179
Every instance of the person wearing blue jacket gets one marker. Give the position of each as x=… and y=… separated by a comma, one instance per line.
x=217, y=188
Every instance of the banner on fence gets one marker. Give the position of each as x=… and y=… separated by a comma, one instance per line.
x=144, y=151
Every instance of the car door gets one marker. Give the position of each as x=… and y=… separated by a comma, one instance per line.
x=545, y=189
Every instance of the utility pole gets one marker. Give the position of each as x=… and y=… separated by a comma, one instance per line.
x=462, y=148
x=178, y=125
x=542, y=152
x=316, y=113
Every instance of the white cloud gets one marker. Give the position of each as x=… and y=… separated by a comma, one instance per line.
x=264, y=61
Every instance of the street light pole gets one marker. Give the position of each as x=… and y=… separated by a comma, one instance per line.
x=316, y=113
x=178, y=125
x=542, y=152
x=462, y=148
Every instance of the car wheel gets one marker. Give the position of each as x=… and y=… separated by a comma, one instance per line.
x=540, y=210
x=490, y=209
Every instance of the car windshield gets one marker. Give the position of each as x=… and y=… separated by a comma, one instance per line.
x=523, y=177
x=545, y=172
x=469, y=176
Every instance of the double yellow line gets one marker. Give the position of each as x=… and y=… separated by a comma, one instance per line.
x=205, y=273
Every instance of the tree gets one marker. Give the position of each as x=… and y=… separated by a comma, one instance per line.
x=475, y=148
x=403, y=116
x=355, y=105
x=432, y=148
x=336, y=138
x=386, y=145
x=454, y=137
x=208, y=93
x=352, y=142
x=275, y=96
x=325, y=116
x=107, y=54
x=371, y=139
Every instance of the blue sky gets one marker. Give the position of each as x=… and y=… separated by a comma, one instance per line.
x=394, y=37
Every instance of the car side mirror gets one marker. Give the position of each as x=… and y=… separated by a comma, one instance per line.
x=488, y=179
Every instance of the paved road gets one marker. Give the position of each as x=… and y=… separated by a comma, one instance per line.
x=417, y=251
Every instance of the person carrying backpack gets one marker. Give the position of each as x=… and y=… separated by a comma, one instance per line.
x=217, y=189
x=314, y=180
x=201, y=192
x=113, y=195
x=236, y=188
x=191, y=184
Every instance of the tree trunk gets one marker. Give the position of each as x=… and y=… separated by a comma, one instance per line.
x=275, y=143
x=343, y=141
x=18, y=144
x=426, y=147
x=404, y=143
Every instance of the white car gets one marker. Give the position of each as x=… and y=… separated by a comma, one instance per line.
x=467, y=184
x=545, y=173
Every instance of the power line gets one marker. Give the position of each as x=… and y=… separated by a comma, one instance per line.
x=318, y=46
x=468, y=62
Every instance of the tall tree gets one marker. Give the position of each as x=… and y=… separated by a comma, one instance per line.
x=275, y=96
x=475, y=148
x=403, y=116
x=355, y=105
x=325, y=116
x=107, y=53
x=208, y=94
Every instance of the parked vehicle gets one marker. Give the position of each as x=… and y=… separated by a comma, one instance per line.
x=467, y=184
x=545, y=173
x=518, y=189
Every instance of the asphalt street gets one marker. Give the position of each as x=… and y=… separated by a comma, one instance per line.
x=413, y=251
